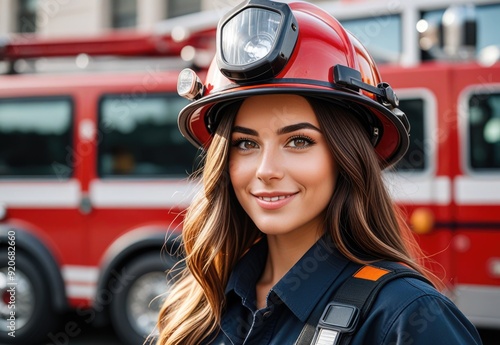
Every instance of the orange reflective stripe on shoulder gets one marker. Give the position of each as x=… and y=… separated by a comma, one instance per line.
x=370, y=273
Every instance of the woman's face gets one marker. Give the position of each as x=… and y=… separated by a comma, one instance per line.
x=280, y=167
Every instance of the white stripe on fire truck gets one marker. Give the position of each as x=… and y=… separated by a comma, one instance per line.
x=68, y=194
x=87, y=292
x=480, y=303
x=484, y=190
x=419, y=190
x=80, y=281
x=40, y=194
x=140, y=194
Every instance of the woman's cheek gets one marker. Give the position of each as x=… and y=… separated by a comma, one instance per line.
x=236, y=170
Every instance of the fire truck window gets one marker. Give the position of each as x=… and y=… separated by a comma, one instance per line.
x=177, y=8
x=26, y=15
x=140, y=137
x=35, y=137
x=416, y=158
x=124, y=13
x=484, y=132
x=381, y=35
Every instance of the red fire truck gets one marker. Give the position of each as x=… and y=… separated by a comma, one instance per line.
x=442, y=57
x=93, y=178
x=93, y=171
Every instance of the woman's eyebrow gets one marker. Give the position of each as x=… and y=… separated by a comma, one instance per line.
x=284, y=130
x=296, y=127
x=245, y=130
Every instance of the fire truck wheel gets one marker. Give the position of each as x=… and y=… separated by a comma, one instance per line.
x=140, y=288
x=25, y=308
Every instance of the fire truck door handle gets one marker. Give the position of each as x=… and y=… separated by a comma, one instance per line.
x=85, y=205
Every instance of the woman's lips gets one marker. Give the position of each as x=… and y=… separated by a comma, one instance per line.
x=274, y=202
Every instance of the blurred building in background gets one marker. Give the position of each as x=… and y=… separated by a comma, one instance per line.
x=76, y=17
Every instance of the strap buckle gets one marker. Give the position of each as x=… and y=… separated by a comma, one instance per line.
x=337, y=319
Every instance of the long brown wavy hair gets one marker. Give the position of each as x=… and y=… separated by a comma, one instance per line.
x=361, y=218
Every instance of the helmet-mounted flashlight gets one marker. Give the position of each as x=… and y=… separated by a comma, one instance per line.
x=255, y=40
x=189, y=84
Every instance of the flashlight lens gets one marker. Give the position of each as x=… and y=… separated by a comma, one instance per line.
x=258, y=47
x=185, y=82
x=189, y=85
x=250, y=36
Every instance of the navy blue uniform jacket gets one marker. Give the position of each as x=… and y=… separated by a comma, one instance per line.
x=407, y=310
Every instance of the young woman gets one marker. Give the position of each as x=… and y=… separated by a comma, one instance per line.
x=297, y=129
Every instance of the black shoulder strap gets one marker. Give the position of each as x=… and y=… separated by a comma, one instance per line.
x=351, y=302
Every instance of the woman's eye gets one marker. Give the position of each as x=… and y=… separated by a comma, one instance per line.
x=245, y=144
x=300, y=142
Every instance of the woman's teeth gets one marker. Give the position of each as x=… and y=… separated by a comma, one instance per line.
x=274, y=198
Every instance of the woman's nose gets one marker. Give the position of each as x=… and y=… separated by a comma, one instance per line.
x=270, y=166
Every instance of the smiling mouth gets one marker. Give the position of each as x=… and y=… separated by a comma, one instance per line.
x=274, y=198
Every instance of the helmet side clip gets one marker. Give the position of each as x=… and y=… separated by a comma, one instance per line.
x=351, y=79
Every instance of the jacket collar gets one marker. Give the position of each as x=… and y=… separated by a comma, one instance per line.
x=302, y=286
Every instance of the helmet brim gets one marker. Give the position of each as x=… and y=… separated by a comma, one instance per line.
x=391, y=147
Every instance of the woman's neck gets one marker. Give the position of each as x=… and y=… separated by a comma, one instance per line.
x=284, y=252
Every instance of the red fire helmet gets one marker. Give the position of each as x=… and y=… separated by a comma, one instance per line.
x=267, y=47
